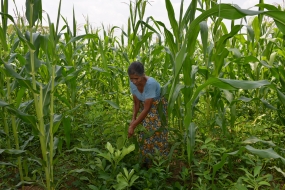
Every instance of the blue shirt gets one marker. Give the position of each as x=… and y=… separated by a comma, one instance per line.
x=151, y=90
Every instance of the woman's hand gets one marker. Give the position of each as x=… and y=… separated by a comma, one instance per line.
x=131, y=131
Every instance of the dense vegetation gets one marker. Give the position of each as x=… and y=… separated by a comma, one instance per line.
x=65, y=101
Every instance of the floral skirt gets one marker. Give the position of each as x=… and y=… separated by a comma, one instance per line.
x=155, y=135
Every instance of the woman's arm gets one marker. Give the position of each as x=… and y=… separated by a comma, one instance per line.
x=142, y=115
x=135, y=108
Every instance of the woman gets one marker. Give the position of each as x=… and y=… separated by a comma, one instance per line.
x=150, y=110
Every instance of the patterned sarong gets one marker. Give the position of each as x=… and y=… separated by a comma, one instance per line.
x=156, y=134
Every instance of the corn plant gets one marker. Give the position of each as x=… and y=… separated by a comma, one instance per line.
x=53, y=81
x=42, y=94
x=187, y=50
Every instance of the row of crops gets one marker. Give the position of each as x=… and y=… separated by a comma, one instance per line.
x=66, y=106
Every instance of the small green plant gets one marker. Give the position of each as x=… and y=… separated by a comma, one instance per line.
x=107, y=165
x=183, y=176
x=115, y=156
x=256, y=180
x=158, y=173
x=125, y=180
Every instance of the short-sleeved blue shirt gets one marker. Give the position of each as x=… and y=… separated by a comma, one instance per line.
x=151, y=90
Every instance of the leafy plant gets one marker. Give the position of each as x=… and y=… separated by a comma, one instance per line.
x=256, y=179
x=114, y=156
x=125, y=180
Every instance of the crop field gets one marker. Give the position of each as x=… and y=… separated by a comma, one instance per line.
x=65, y=102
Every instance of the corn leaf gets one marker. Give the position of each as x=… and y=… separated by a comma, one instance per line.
x=265, y=153
x=35, y=13
x=171, y=17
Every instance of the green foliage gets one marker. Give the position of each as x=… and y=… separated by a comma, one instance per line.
x=125, y=180
x=115, y=156
x=64, y=99
x=256, y=180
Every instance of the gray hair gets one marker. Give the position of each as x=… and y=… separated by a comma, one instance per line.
x=136, y=68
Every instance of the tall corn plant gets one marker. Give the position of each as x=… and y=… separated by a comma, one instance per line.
x=99, y=64
x=41, y=86
x=140, y=35
x=4, y=55
x=187, y=51
x=6, y=89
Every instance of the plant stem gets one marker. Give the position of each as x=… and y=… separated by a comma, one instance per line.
x=39, y=107
x=15, y=132
x=51, y=123
x=6, y=127
x=16, y=138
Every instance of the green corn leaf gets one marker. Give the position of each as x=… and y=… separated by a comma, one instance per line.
x=191, y=141
x=58, y=16
x=193, y=8
x=3, y=103
x=219, y=165
x=189, y=13
x=25, y=117
x=27, y=142
x=222, y=41
x=84, y=36
x=8, y=164
x=204, y=36
x=67, y=130
x=56, y=122
x=74, y=22
x=20, y=35
x=171, y=17
x=3, y=39
x=46, y=98
x=226, y=84
x=220, y=61
x=37, y=40
x=267, y=6
x=281, y=96
x=83, y=149
x=266, y=104
x=246, y=85
x=279, y=18
x=169, y=38
x=265, y=153
x=37, y=63
x=140, y=43
x=22, y=81
x=174, y=96
x=103, y=57
x=113, y=104
x=37, y=11
x=250, y=32
x=150, y=27
x=20, y=94
x=12, y=151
